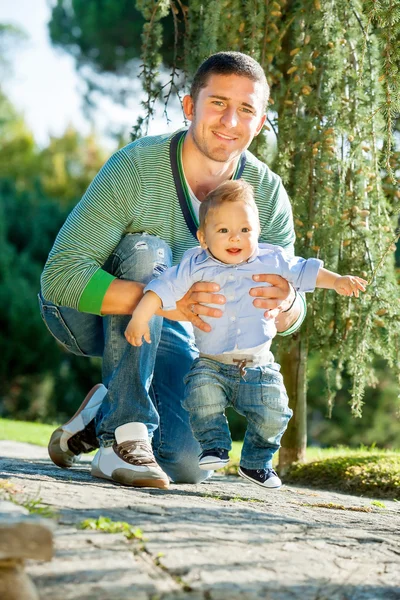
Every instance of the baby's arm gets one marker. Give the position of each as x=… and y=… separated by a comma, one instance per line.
x=138, y=326
x=346, y=285
x=162, y=292
x=305, y=275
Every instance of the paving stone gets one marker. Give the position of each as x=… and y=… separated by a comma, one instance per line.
x=224, y=539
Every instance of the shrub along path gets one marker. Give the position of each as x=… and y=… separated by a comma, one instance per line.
x=224, y=539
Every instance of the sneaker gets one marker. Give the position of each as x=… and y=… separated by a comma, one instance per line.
x=213, y=459
x=130, y=460
x=265, y=477
x=78, y=435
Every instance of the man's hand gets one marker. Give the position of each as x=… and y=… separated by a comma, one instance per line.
x=275, y=298
x=194, y=304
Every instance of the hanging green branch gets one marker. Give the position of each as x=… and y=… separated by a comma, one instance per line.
x=333, y=71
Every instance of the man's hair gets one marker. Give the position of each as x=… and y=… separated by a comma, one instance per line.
x=229, y=63
x=230, y=191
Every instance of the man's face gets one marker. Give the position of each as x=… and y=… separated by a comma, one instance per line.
x=231, y=232
x=227, y=115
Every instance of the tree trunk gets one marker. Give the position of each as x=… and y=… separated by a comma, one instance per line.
x=294, y=365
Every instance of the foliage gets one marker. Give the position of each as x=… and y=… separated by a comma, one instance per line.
x=33, y=504
x=370, y=473
x=105, y=38
x=332, y=70
x=335, y=98
x=106, y=525
x=34, y=369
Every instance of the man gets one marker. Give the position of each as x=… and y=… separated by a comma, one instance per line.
x=138, y=216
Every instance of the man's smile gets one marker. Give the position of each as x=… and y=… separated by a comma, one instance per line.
x=224, y=137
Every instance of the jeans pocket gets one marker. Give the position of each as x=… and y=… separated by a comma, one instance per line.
x=56, y=325
x=273, y=393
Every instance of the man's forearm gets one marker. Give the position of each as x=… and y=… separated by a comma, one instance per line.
x=122, y=297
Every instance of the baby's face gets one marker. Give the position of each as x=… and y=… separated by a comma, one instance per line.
x=231, y=232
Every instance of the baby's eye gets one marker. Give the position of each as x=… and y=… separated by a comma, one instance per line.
x=223, y=230
x=245, y=229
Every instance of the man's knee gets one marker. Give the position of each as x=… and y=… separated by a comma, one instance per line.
x=139, y=257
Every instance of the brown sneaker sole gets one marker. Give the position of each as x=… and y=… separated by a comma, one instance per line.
x=127, y=477
x=61, y=458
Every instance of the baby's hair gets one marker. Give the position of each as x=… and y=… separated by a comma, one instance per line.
x=230, y=191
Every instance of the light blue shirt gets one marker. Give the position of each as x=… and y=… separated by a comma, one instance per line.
x=242, y=325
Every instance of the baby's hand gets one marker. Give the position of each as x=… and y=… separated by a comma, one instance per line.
x=136, y=330
x=349, y=285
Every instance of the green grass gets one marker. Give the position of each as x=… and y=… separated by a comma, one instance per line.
x=363, y=471
x=366, y=471
x=21, y=431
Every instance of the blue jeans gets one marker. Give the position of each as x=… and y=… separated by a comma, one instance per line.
x=259, y=395
x=144, y=384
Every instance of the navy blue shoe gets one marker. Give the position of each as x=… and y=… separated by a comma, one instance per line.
x=213, y=459
x=265, y=477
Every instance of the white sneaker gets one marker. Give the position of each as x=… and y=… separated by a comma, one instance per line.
x=130, y=460
x=78, y=434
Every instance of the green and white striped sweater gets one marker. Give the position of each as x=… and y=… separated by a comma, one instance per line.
x=142, y=188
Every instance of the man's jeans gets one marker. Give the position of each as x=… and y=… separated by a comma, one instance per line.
x=259, y=395
x=144, y=384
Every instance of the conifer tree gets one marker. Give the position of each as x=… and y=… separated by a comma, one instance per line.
x=333, y=67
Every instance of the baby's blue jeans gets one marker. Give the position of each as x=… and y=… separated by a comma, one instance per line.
x=259, y=395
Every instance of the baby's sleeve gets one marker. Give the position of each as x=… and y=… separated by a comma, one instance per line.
x=300, y=272
x=173, y=283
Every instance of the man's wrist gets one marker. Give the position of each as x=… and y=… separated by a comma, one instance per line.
x=289, y=322
x=290, y=300
x=292, y=303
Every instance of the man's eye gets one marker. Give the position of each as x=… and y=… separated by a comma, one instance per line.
x=247, y=110
x=218, y=102
x=223, y=230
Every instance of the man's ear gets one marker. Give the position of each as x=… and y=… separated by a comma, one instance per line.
x=200, y=237
x=260, y=125
x=188, y=107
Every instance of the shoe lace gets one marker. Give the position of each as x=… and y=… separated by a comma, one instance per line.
x=266, y=472
x=137, y=452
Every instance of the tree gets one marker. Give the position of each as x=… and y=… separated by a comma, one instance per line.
x=105, y=39
x=333, y=70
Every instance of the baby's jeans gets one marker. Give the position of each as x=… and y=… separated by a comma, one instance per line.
x=259, y=395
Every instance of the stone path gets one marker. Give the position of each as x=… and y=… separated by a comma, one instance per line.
x=224, y=539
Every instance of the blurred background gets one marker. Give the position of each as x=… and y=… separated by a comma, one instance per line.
x=69, y=97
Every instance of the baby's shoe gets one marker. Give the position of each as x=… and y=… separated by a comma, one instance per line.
x=265, y=477
x=213, y=459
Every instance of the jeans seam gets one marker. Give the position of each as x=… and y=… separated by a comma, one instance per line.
x=57, y=315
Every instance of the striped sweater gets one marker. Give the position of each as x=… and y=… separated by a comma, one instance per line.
x=142, y=188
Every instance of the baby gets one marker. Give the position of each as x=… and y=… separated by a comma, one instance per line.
x=235, y=365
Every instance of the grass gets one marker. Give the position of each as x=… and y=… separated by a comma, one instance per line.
x=22, y=431
x=34, y=504
x=106, y=525
x=368, y=472
x=365, y=471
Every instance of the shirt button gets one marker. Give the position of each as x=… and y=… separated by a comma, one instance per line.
x=233, y=318
x=231, y=297
x=231, y=278
x=239, y=331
